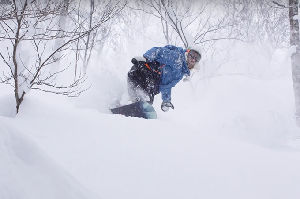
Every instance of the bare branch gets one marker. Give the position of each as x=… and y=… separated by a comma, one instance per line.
x=280, y=5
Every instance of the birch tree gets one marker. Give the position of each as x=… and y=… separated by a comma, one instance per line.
x=293, y=10
x=294, y=41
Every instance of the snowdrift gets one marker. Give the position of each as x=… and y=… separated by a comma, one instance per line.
x=27, y=172
x=119, y=157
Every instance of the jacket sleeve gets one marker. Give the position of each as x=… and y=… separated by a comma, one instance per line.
x=165, y=55
x=152, y=54
x=166, y=94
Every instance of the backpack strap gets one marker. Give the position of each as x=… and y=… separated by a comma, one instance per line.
x=152, y=69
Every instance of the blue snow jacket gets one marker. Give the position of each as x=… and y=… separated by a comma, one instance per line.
x=173, y=67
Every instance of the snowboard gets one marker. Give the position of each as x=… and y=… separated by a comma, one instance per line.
x=138, y=109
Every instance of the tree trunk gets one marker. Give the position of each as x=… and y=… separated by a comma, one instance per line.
x=87, y=46
x=19, y=94
x=61, y=28
x=294, y=41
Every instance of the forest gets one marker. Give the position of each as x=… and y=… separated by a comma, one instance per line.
x=39, y=36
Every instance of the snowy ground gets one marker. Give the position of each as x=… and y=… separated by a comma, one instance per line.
x=228, y=137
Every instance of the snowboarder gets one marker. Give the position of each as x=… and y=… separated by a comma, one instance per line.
x=160, y=69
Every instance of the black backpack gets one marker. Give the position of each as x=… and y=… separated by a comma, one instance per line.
x=146, y=75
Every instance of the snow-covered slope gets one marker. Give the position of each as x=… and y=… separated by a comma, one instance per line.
x=228, y=139
x=26, y=172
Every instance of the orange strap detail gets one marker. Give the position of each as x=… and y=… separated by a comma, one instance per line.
x=148, y=66
x=153, y=70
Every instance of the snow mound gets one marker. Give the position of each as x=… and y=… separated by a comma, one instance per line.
x=27, y=172
x=123, y=157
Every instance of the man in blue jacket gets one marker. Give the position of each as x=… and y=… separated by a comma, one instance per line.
x=160, y=69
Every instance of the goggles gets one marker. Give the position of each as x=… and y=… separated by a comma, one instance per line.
x=194, y=55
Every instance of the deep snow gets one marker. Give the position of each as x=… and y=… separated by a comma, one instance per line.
x=228, y=137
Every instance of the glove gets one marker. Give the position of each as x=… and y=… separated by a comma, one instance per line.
x=166, y=105
x=187, y=78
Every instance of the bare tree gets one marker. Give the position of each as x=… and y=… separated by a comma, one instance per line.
x=193, y=22
x=30, y=34
x=87, y=44
x=294, y=41
x=61, y=26
x=293, y=9
x=259, y=21
x=86, y=15
x=172, y=14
